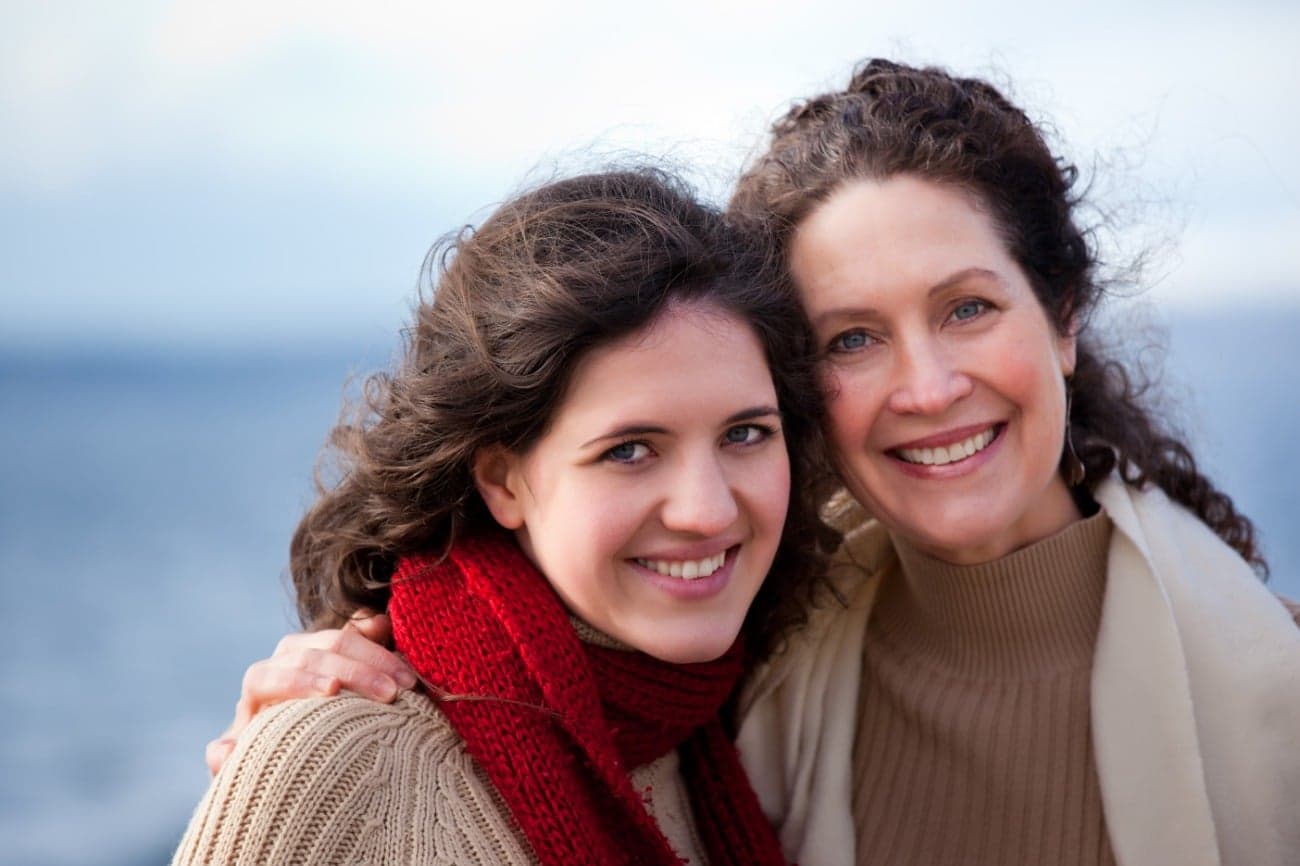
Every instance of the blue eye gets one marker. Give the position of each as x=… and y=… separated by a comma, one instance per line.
x=628, y=452
x=747, y=434
x=850, y=341
x=968, y=310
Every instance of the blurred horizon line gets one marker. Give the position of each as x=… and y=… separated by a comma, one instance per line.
x=374, y=341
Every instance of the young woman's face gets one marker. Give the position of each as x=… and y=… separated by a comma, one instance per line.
x=655, y=501
x=947, y=394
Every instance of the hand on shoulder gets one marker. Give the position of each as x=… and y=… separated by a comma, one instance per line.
x=313, y=664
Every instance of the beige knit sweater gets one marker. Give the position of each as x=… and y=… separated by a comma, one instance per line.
x=349, y=781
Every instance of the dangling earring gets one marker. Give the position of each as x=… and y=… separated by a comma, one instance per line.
x=1070, y=462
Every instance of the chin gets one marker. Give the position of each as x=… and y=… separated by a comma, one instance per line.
x=946, y=545
x=691, y=649
x=976, y=543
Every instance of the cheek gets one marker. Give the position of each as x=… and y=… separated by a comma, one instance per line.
x=610, y=520
x=1038, y=387
x=582, y=525
x=763, y=491
x=1032, y=367
x=849, y=409
x=1038, y=393
x=776, y=495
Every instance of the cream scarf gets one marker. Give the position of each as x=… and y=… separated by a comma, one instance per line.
x=1195, y=700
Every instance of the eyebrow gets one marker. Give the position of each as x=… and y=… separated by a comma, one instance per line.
x=946, y=283
x=647, y=429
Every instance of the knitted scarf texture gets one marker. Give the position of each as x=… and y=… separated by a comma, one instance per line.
x=557, y=724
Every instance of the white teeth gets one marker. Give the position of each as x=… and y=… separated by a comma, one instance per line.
x=686, y=569
x=941, y=456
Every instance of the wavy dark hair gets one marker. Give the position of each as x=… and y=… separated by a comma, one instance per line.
x=895, y=119
x=514, y=306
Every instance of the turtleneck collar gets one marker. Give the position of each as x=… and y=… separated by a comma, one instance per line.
x=589, y=634
x=1032, y=613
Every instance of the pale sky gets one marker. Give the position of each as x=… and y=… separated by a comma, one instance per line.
x=250, y=171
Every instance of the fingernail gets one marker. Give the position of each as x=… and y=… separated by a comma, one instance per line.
x=324, y=685
x=406, y=678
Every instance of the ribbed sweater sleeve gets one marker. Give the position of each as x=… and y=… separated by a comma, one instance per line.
x=349, y=781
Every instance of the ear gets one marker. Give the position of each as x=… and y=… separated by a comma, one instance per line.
x=1067, y=345
x=497, y=477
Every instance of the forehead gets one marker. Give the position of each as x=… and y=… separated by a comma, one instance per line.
x=691, y=358
x=873, y=235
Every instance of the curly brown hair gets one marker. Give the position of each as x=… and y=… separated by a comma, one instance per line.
x=515, y=305
x=895, y=119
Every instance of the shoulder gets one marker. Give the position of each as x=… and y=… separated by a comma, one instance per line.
x=322, y=741
x=832, y=633
x=1207, y=581
x=344, y=780
x=1171, y=539
x=866, y=547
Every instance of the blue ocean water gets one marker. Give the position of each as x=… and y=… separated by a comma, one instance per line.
x=145, y=508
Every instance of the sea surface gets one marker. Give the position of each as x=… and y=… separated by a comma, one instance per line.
x=146, y=502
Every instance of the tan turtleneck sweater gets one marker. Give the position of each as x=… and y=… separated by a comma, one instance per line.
x=974, y=743
x=345, y=780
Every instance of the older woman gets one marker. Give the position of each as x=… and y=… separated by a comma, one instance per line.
x=1065, y=655
x=1053, y=647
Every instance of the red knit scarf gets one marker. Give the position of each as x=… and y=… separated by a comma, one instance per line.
x=566, y=721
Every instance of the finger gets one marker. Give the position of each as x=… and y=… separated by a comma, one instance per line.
x=273, y=680
x=378, y=628
x=356, y=676
x=374, y=627
x=350, y=643
x=217, y=752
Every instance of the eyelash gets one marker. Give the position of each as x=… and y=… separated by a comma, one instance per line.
x=981, y=306
x=837, y=346
x=609, y=453
x=765, y=432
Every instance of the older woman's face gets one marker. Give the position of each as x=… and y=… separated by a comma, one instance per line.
x=946, y=379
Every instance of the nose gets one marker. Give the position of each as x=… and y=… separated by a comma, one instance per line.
x=926, y=381
x=700, y=499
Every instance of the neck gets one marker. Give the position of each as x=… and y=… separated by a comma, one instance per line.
x=1055, y=510
x=1031, y=612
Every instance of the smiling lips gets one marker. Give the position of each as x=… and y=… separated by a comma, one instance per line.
x=942, y=455
x=686, y=569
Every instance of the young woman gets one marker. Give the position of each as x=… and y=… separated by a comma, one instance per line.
x=567, y=497
x=1053, y=647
